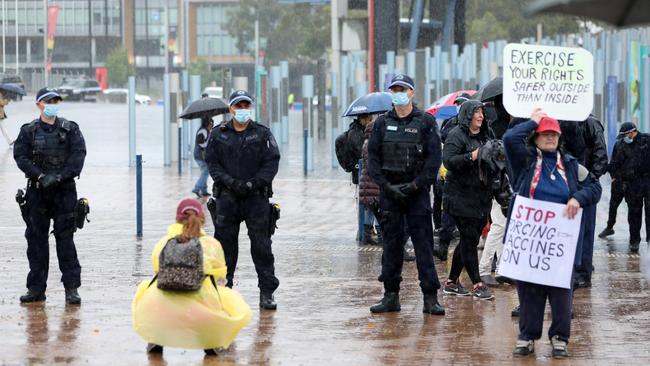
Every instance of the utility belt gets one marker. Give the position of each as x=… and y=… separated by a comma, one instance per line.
x=399, y=177
x=218, y=191
x=79, y=213
x=274, y=214
x=65, y=184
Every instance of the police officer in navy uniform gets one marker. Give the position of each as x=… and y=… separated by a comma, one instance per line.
x=243, y=159
x=50, y=151
x=404, y=155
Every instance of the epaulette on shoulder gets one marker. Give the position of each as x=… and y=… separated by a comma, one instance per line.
x=222, y=126
x=261, y=126
x=68, y=125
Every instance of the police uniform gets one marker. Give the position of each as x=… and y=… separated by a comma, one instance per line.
x=243, y=165
x=51, y=156
x=404, y=156
x=629, y=163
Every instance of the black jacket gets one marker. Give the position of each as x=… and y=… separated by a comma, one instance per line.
x=251, y=155
x=630, y=161
x=354, y=145
x=430, y=140
x=24, y=147
x=586, y=142
x=464, y=194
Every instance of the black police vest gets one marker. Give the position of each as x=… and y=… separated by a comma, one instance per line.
x=50, y=148
x=401, y=149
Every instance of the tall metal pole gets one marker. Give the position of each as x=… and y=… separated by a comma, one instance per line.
x=90, y=39
x=45, y=72
x=17, y=44
x=4, y=30
x=131, y=101
x=146, y=37
x=166, y=38
x=371, y=44
x=257, y=42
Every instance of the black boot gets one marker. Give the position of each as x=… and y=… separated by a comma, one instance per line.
x=607, y=232
x=442, y=251
x=72, y=296
x=408, y=257
x=380, y=238
x=369, y=235
x=432, y=306
x=634, y=245
x=154, y=348
x=389, y=303
x=267, y=302
x=32, y=296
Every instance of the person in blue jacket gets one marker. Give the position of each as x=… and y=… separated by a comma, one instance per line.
x=539, y=169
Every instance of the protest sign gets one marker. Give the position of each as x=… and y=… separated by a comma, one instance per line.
x=540, y=243
x=560, y=80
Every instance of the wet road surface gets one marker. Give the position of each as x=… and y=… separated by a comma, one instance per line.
x=327, y=280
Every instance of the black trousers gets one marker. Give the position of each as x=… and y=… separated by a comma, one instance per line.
x=532, y=300
x=466, y=254
x=635, y=196
x=437, y=204
x=394, y=217
x=616, y=197
x=55, y=204
x=254, y=210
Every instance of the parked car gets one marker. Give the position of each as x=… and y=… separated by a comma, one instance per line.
x=13, y=79
x=79, y=89
x=214, y=91
x=124, y=93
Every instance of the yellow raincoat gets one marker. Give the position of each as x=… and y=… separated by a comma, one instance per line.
x=201, y=319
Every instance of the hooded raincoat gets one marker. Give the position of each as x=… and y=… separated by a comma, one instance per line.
x=204, y=319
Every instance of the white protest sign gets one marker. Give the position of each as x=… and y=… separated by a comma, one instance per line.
x=560, y=80
x=540, y=243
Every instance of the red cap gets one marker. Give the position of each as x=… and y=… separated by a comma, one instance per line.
x=188, y=204
x=547, y=124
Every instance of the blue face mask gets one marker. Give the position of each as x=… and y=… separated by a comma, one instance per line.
x=51, y=110
x=400, y=99
x=243, y=115
x=628, y=140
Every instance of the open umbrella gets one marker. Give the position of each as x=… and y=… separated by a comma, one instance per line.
x=444, y=107
x=204, y=107
x=12, y=89
x=377, y=102
x=620, y=13
x=490, y=90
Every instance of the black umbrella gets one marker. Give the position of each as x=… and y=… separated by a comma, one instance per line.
x=620, y=13
x=12, y=89
x=490, y=90
x=205, y=107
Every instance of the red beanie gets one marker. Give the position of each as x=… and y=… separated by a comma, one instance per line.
x=188, y=204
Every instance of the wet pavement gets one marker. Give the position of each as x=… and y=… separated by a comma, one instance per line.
x=327, y=280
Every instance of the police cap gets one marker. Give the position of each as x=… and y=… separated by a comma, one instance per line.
x=626, y=127
x=239, y=95
x=402, y=80
x=46, y=94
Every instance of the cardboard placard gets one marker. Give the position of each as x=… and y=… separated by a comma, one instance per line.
x=540, y=243
x=560, y=80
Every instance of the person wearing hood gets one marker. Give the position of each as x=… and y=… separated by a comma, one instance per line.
x=243, y=158
x=540, y=170
x=466, y=198
x=403, y=160
x=208, y=318
x=631, y=164
x=201, y=142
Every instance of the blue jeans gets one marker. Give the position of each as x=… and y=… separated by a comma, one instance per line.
x=201, y=185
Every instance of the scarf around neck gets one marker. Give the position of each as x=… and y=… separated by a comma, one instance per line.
x=538, y=171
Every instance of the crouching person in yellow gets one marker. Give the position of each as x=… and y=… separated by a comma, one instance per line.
x=207, y=316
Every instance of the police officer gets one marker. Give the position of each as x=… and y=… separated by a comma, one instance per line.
x=50, y=151
x=243, y=159
x=403, y=157
x=617, y=194
x=630, y=162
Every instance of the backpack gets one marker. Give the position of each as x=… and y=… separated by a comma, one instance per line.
x=446, y=127
x=181, y=266
x=344, y=147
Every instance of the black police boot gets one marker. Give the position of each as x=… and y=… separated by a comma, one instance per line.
x=515, y=312
x=634, y=245
x=432, y=306
x=607, y=232
x=72, y=296
x=380, y=238
x=267, y=302
x=32, y=296
x=389, y=303
x=442, y=251
x=369, y=235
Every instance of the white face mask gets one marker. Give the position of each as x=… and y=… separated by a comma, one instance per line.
x=243, y=115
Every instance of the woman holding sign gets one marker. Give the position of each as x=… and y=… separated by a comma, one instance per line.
x=541, y=171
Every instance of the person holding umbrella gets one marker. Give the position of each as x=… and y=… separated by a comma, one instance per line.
x=200, y=144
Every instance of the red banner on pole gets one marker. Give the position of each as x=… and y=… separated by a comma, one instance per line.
x=52, y=15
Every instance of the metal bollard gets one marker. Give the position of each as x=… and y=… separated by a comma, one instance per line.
x=180, y=150
x=305, y=159
x=138, y=180
x=362, y=212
